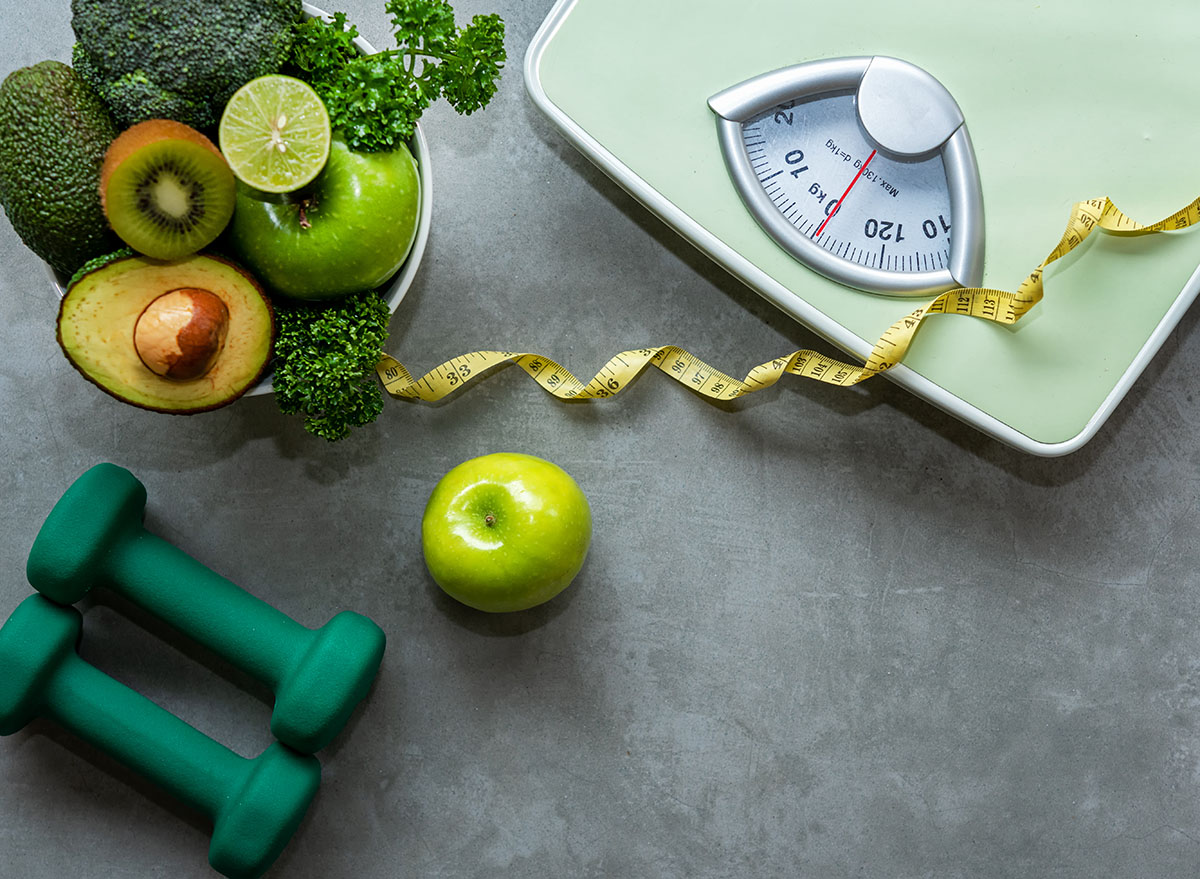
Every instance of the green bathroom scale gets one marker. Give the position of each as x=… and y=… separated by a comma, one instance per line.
x=819, y=152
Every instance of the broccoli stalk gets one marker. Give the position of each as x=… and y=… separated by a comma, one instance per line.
x=325, y=358
x=156, y=59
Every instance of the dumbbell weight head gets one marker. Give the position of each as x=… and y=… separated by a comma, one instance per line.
x=255, y=804
x=334, y=674
x=98, y=512
x=94, y=536
x=260, y=818
x=33, y=642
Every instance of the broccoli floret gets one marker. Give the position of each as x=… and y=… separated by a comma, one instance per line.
x=178, y=59
x=135, y=97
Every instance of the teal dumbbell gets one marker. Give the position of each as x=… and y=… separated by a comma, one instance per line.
x=255, y=804
x=94, y=537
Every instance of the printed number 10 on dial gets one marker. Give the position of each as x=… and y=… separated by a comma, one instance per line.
x=847, y=194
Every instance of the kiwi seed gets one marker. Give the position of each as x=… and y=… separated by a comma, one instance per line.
x=167, y=191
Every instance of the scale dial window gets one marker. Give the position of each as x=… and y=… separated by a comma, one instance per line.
x=844, y=193
x=862, y=169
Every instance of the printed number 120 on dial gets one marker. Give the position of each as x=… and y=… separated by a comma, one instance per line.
x=845, y=193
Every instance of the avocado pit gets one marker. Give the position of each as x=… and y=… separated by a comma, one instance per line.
x=104, y=303
x=180, y=334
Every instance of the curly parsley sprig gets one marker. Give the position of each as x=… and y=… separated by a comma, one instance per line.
x=375, y=100
x=325, y=358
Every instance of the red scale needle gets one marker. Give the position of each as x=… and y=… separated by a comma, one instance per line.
x=833, y=213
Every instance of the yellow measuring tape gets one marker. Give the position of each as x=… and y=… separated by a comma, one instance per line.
x=999, y=306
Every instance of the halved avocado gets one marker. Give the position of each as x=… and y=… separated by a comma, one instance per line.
x=102, y=308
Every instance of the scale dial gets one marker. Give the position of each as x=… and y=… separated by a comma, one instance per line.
x=862, y=169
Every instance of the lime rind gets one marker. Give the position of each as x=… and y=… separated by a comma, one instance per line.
x=275, y=133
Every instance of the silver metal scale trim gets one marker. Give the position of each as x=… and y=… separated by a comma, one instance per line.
x=908, y=117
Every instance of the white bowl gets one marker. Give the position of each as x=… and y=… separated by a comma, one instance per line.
x=392, y=292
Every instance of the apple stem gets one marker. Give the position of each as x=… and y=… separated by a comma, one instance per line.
x=489, y=520
x=304, y=222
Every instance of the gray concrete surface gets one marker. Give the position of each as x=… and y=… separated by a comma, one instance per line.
x=820, y=633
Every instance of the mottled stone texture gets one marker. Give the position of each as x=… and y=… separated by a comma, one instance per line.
x=820, y=633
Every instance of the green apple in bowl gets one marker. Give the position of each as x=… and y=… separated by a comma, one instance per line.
x=505, y=531
x=349, y=230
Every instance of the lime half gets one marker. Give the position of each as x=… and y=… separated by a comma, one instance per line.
x=275, y=133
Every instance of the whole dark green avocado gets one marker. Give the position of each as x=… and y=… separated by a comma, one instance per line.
x=54, y=131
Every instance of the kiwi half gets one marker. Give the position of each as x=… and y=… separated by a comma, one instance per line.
x=166, y=189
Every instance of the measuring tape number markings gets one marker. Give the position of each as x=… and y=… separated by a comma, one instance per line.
x=891, y=140
x=1000, y=306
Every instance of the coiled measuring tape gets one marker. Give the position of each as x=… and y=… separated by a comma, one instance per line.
x=999, y=306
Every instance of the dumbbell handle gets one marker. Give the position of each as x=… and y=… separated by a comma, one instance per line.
x=149, y=739
x=95, y=536
x=255, y=804
x=243, y=629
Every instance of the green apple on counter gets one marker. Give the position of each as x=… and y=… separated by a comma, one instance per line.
x=347, y=231
x=505, y=531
